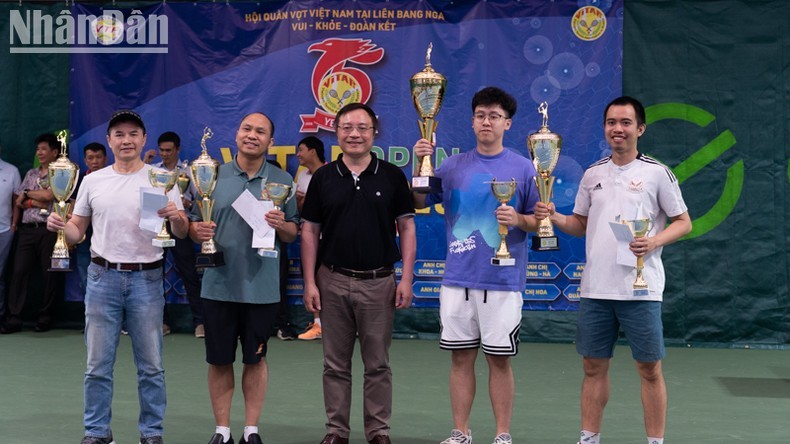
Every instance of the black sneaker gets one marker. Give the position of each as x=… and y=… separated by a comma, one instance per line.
x=97, y=440
x=217, y=439
x=286, y=333
x=151, y=440
x=254, y=439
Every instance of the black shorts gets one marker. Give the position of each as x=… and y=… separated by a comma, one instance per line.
x=227, y=323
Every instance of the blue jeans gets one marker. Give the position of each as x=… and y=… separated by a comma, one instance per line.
x=111, y=297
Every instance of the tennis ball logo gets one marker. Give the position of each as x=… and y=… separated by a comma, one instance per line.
x=704, y=156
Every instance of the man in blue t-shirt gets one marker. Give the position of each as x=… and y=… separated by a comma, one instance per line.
x=481, y=302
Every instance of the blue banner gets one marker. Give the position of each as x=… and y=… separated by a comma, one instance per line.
x=186, y=66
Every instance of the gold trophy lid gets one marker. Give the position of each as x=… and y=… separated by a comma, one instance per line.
x=427, y=88
x=544, y=145
x=205, y=169
x=63, y=173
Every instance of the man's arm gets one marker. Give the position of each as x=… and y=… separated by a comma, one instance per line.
x=573, y=224
x=678, y=227
x=309, y=249
x=74, y=229
x=407, y=230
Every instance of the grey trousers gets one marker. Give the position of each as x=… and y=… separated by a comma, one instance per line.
x=351, y=307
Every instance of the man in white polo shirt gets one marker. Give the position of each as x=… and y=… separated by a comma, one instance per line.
x=621, y=185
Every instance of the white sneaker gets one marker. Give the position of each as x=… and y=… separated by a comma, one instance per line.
x=458, y=437
x=503, y=438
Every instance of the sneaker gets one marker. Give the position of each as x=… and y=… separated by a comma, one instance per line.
x=151, y=440
x=200, y=331
x=97, y=440
x=286, y=333
x=253, y=439
x=313, y=332
x=458, y=437
x=503, y=438
x=217, y=439
x=165, y=329
x=124, y=332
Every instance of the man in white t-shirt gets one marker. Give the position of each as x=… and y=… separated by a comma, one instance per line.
x=311, y=156
x=124, y=280
x=9, y=181
x=622, y=186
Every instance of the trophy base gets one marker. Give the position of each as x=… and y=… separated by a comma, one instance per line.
x=163, y=243
x=503, y=261
x=265, y=252
x=209, y=260
x=426, y=184
x=641, y=292
x=59, y=264
x=545, y=243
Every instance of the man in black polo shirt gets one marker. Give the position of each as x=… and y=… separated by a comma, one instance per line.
x=350, y=214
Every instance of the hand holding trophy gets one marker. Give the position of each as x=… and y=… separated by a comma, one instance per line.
x=205, y=172
x=278, y=193
x=544, y=147
x=63, y=175
x=503, y=191
x=166, y=180
x=427, y=92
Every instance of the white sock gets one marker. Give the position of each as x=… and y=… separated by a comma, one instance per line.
x=655, y=440
x=249, y=430
x=317, y=321
x=588, y=437
x=225, y=432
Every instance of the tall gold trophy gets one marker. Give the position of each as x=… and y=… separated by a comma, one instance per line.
x=165, y=180
x=205, y=172
x=427, y=92
x=63, y=175
x=278, y=193
x=640, y=228
x=544, y=147
x=503, y=191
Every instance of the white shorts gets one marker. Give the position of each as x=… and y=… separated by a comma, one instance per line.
x=471, y=318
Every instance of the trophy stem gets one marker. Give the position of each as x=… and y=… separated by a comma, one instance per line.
x=640, y=283
x=502, y=252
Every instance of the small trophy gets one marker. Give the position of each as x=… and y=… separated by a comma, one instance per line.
x=503, y=191
x=205, y=172
x=544, y=147
x=640, y=228
x=63, y=175
x=166, y=180
x=278, y=193
x=427, y=92
x=183, y=178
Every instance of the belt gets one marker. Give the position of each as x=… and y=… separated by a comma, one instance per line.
x=33, y=224
x=127, y=267
x=363, y=274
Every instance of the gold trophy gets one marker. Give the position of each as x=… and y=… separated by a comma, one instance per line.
x=166, y=180
x=503, y=191
x=205, y=172
x=544, y=147
x=640, y=228
x=63, y=175
x=278, y=193
x=427, y=92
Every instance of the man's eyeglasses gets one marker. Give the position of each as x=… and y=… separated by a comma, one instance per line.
x=347, y=129
x=493, y=117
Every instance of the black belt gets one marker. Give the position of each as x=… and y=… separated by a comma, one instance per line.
x=127, y=267
x=362, y=274
x=33, y=224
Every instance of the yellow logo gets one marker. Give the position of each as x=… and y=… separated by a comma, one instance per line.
x=588, y=23
x=338, y=89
